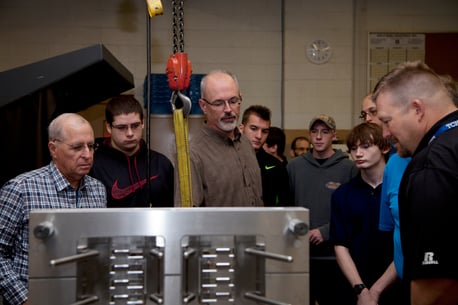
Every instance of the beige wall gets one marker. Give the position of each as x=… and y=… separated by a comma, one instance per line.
x=262, y=41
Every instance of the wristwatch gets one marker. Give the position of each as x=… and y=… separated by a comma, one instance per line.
x=358, y=288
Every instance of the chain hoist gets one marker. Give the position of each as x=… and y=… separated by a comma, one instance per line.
x=179, y=71
x=179, y=67
x=178, y=26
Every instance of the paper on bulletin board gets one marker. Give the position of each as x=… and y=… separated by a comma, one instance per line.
x=387, y=50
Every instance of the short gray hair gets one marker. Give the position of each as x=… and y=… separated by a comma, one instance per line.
x=56, y=127
x=410, y=80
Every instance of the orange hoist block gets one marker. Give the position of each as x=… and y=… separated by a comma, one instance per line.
x=179, y=70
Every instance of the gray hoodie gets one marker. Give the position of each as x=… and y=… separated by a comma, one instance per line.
x=312, y=184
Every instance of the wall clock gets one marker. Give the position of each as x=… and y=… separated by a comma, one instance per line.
x=319, y=51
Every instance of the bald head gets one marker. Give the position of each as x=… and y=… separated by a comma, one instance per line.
x=71, y=145
x=58, y=127
x=216, y=76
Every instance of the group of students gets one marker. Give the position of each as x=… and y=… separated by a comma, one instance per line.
x=392, y=224
x=352, y=213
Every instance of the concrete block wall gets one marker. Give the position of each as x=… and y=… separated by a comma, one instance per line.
x=262, y=41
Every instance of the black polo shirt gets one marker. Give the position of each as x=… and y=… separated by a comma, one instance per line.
x=428, y=205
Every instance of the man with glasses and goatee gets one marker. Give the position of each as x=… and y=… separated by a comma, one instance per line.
x=224, y=168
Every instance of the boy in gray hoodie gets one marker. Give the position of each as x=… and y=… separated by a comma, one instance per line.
x=313, y=178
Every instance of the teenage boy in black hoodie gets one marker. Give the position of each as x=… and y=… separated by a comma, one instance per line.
x=275, y=181
x=120, y=161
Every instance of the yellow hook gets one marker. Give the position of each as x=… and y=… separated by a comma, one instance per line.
x=154, y=7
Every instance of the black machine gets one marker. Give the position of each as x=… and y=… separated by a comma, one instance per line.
x=34, y=94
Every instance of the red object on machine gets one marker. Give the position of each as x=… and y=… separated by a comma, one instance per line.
x=179, y=71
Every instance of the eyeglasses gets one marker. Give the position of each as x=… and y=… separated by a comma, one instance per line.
x=371, y=112
x=233, y=102
x=78, y=147
x=125, y=127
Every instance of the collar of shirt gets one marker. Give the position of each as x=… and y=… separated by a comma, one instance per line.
x=60, y=181
x=222, y=136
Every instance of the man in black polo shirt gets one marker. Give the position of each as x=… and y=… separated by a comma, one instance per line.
x=417, y=108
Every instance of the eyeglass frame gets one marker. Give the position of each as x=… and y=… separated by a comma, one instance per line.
x=125, y=127
x=78, y=147
x=220, y=102
x=371, y=112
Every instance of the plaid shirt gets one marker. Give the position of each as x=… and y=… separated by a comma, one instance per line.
x=44, y=188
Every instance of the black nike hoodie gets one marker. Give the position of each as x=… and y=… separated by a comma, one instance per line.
x=125, y=177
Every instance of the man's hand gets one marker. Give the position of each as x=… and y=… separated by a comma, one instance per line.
x=366, y=298
x=315, y=237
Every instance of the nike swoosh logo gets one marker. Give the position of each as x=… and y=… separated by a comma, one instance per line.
x=269, y=167
x=118, y=193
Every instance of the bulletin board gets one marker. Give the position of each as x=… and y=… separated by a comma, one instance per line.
x=387, y=50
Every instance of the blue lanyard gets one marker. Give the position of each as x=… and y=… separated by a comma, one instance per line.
x=443, y=128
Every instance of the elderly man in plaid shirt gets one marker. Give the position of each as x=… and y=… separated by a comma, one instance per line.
x=61, y=184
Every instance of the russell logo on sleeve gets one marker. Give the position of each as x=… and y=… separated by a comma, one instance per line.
x=428, y=259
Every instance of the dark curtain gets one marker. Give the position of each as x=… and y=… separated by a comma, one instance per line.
x=24, y=126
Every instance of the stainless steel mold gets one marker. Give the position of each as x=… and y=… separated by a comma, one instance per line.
x=169, y=256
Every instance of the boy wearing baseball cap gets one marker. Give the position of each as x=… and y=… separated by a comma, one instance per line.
x=313, y=178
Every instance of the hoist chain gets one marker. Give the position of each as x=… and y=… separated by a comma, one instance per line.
x=178, y=25
x=179, y=71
